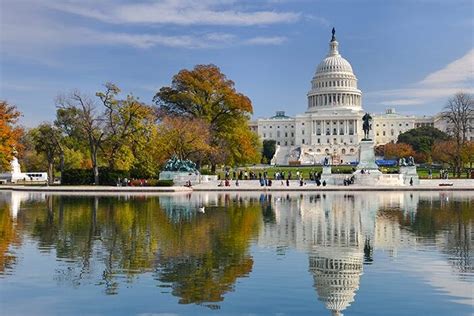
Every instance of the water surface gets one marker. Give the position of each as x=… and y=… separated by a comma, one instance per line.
x=384, y=253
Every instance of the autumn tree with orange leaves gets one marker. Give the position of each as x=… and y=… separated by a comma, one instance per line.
x=9, y=134
x=205, y=93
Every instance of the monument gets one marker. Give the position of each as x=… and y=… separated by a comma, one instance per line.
x=408, y=170
x=367, y=172
x=180, y=171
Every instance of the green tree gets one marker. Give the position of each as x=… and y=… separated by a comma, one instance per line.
x=269, y=148
x=47, y=140
x=205, y=93
x=422, y=138
x=127, y=126
x=77, y=115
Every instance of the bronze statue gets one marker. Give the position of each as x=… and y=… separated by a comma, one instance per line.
x=333, y=35
x=176, y=164
x=366, y=126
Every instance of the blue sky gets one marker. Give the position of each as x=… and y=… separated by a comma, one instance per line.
x=407, y=54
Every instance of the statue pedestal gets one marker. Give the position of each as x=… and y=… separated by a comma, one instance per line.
x=409, y=172
x=367, y=156
x=180, y=177
x=367, y=172
x=327, y=170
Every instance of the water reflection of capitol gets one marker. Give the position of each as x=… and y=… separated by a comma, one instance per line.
x=338, y=232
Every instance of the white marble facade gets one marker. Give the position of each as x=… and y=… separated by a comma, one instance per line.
x=332, y=124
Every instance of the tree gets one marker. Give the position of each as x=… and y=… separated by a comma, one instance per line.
x=47, y=140
x=77, y=115
x=269, y=148
x=459, y=113
x=9, y=134
x=127, y=124
x=445, y=152
x=393, y=151
x=186, y=138
x=205, y=93
x=422, y=139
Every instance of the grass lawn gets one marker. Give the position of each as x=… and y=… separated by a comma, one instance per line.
x=305, y=170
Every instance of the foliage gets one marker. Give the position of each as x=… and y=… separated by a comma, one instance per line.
x=48, y=141
x=127, y=126
x=205, y=93
x=421, y=139
x=459, y=113
x=268, y=149
x=399, y=150
x=78, y=117
x=185, y=138
x=9, y=134
x=77, y=177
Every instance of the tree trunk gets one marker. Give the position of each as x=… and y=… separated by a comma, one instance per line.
x=61, y=166
x=50, y=172
x=95, y=167
x=213, y=168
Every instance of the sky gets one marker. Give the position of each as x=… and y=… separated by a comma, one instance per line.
x=411, y=55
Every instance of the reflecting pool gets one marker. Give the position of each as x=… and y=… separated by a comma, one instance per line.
x=380, y=253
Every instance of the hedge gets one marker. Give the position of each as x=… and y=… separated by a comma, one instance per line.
x=86, y=176
x=106, y=177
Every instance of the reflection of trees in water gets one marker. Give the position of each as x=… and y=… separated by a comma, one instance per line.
x=452, y=222
x=202, y=259
x=9, y=238
x=109, y=241
x=449, y=224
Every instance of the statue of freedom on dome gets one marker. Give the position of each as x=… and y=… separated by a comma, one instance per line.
x=366, y=126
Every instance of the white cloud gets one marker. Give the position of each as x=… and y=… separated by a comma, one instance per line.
x=180, y=12
x=441, y=84
x=260, y=40
x=31, y=28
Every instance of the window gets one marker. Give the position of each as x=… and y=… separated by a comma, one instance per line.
x=319, y=141
x=278, y=133
x=264, y=135
x=292, y=134
x=278, y=143
x=286, y=143
x=343, y=151
x=383, y=133
x=302, y=141
x=302, y=132
x=286, y=134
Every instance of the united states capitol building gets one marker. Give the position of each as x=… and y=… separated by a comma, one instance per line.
x=332, y=124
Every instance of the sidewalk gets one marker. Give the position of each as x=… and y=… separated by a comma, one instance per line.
x=250, y=185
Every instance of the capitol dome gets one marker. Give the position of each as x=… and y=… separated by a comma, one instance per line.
x=334, y=83
x=334, y=62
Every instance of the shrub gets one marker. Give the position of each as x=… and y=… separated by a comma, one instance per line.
x=77, y=177
x=109, y=177
x=86, y=177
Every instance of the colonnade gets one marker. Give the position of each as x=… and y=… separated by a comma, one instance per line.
x=334, y=99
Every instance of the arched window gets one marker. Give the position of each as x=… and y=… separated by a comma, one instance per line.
x=343, y=151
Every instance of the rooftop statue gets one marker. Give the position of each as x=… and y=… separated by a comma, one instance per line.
x=366, y=126
x=176, y=164
x=333, y=35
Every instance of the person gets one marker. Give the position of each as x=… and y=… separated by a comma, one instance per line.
x=221, y=184
x=237, y=182
x=411, y=181
x=430, y=173
x=318, y=183
x=324, y=183
x=301, y=182
x=269, y=182
x=287, y=182
x=227, y=184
